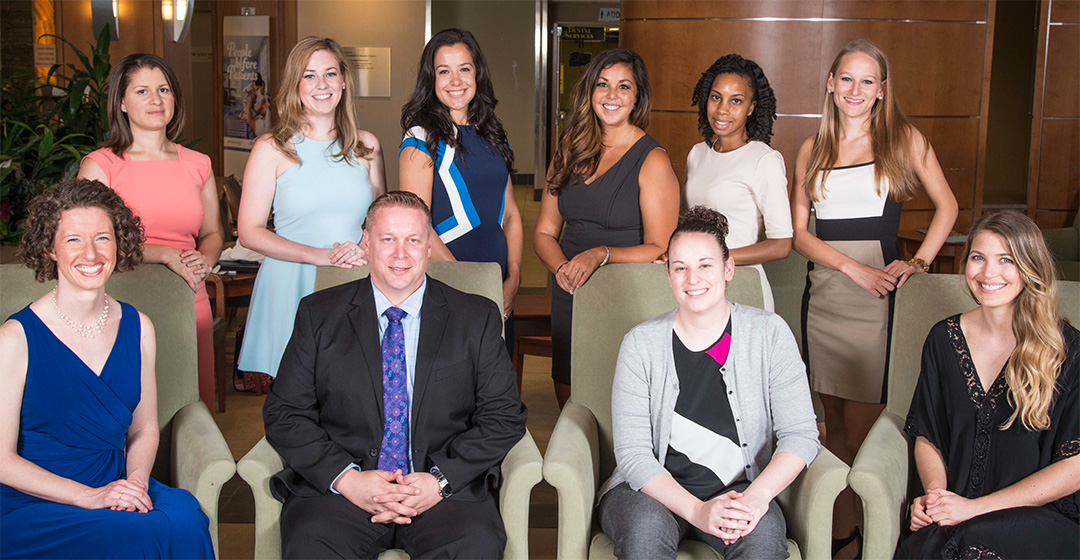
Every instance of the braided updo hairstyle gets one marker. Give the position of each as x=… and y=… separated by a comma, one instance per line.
x=702, y=219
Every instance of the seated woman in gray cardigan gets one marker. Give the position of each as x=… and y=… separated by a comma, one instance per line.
x=699, y=393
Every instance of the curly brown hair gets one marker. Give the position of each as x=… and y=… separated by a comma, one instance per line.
x=43, y=217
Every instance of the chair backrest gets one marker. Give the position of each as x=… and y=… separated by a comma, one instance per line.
x=483, y=279
x=1069, y=297
x=232, y=189
x=166, y=299
x=617, y=298
x=787, y=277
x=923, y=301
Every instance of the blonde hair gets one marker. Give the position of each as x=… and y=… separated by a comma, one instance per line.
x=291, y=109
x=890, y=133
x=1040, y=346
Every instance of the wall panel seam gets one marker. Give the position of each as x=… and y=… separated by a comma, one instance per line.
x=812, y=20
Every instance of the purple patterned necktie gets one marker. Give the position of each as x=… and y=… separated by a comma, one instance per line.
x=395, y=445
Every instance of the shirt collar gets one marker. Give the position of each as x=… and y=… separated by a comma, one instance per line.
x=411, y=306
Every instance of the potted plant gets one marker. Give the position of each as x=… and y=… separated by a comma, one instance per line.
x=46, y=129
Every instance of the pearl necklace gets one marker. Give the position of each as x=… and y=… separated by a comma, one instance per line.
x=85, y=331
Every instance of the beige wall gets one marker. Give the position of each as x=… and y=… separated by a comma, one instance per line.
x=506, y=33
x=398, y=24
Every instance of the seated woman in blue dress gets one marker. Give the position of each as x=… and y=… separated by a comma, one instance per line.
x=996, y=411
x=700, y=395
x=78, y=413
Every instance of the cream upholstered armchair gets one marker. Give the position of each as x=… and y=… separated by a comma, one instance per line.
x=192, y=453
x=521, y=468
x=882, y=471
x=580, y=453
x=1064, y=243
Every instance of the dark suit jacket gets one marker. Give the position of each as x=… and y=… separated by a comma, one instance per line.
x=325, y=409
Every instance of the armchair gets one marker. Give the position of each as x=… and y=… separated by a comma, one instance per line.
x=521, y=468
x=192, y=453
x=1064, y=243
x=580, y=453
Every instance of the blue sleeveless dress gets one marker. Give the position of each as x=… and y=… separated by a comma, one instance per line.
x=74, y=423
x=316, y=203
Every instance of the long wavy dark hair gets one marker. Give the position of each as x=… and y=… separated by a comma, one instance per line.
x=426, y=111
x=578, y=154
x=759, y=123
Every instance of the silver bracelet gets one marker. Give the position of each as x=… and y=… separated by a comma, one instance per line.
x=607, y=255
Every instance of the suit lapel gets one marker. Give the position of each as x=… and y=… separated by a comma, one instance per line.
x=366, y=326
x=432, y=325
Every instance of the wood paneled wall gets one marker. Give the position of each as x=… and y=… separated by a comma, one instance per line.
x=1054, y=176
x=939, y=50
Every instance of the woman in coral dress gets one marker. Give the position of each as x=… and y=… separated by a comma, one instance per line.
x=170, y=187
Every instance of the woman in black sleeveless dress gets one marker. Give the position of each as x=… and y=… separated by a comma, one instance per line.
x=611, y=185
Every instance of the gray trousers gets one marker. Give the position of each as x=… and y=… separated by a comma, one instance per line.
x=642, y=527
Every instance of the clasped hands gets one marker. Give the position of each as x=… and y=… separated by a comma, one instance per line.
x=730, y=516
x=119, y=495
x=942, y=507
x=190, y=265
x=573, y=273
x=346, y=255
x=884, y=280
x=391, y=497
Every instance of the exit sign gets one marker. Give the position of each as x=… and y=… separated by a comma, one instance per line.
x=609, y=14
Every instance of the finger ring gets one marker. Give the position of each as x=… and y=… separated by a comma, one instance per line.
x=353, y=249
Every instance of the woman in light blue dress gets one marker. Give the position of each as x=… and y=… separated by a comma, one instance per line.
x=318, y=173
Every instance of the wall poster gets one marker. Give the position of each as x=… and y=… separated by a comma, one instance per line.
x=246, y=79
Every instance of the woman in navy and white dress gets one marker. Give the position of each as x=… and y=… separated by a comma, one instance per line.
x=456, y=157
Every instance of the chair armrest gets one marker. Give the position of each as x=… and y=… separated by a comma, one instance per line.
x=522, y=470
x=879, y=476
x=201, y=460
x=219, y=294
x=808, y=501
x=256, y=468
x=572, y=466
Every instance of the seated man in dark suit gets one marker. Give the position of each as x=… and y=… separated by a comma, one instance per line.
x=393, y=408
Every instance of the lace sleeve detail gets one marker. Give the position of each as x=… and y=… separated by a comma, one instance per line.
x=1066, y=450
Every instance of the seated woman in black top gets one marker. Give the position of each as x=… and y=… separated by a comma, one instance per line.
x=996, y=412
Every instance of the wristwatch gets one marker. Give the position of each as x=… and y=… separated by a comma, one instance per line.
x=444, y=485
